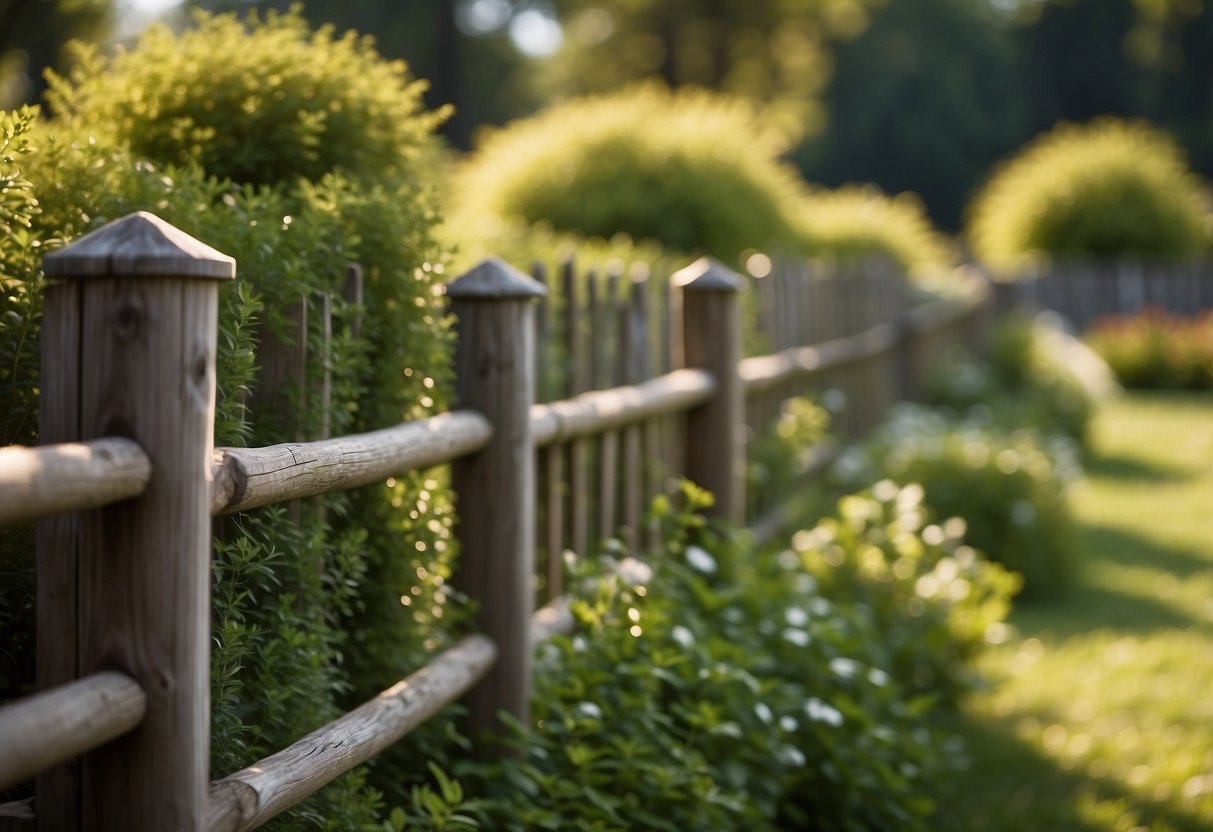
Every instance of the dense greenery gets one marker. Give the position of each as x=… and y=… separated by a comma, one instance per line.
x=1157, y=350
x=1009, y=487
x=722, y=688
x=20, y=296
x=694, y=171
x=290, y=104
x=698, y=173
x=1103, y=189
x=856, y=222
x=308, y=614
x=1034, y=375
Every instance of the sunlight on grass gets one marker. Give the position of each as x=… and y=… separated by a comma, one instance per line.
x=1099, y=715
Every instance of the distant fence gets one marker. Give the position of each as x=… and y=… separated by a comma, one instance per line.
x=1085, y=292
x=128, y=483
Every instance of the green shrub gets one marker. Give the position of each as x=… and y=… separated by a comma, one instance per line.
x=20, y=316
x=1009, y=487
x=1103, y=189
x=308, y=616
x=1036, y=377
x=1154, y=350
x=690, y=169
x=262, y=101
x=934, y=600
x=722, y=688
x=858, y=221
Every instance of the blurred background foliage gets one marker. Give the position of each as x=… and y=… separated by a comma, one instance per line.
x=959, y=83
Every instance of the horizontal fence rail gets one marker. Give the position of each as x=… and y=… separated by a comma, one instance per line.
x=764, y=372
x=245, y=478
x=602, y=410
x=70, y=476
x=250, y=797
x=47, y=728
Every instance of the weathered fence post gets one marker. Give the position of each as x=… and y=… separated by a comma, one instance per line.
x=711, y=340
x=907, y=361
x=138, y=351
x=495, y=488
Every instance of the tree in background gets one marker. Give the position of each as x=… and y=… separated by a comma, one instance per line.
x=925, y=100
x=32, y=36
x=776, y=52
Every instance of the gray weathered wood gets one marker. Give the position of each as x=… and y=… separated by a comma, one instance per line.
x=553, y=457
x=57, y=541
x=52, y=479
x=138, y=245
x=495, y=487
x=711, y=340
x=148, y=320
x=245, y=478
x=250, y=797
x=55, y=725
x=602, y=410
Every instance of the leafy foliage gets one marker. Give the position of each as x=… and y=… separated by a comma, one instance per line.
x=695, y=171
x=1009, y=486
x=721, y=688
x=858, y=221
x=313, y=103
x=1036, y=376
x=1154, y=350
x=20, y=320
x=1103, y=189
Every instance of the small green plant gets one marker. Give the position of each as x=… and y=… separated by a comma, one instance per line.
x=1009, y=487
x=1154, y=350
x=779, y=458
x=1097, y=190
x=693, y=170
x=934, y=599
x=858, y=221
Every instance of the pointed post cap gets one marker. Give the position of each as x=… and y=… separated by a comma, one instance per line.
x=494, y=278
x=138, y=245
x=708, y=274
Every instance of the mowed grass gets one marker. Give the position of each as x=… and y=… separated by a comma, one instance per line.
x=1100, y=710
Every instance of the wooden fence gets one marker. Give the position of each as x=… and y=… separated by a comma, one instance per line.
x=1085, y=292
x=127, y=481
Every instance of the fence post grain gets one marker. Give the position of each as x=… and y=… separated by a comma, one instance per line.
x=495, y=487
x=711, y=340
x=148, y=313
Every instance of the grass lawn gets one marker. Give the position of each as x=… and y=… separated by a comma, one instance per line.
x=1100, y=711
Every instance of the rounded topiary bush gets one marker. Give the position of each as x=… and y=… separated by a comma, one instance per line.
x=690, y=169
x=858, y=221
x=1103, y=189
x=261, y=101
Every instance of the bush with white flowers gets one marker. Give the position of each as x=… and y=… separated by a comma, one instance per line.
x=724, y=688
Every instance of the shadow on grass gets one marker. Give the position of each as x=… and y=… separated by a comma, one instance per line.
x=1099, y=608
x=1123, y=467
x=1013, y=786
x=1105, y=543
